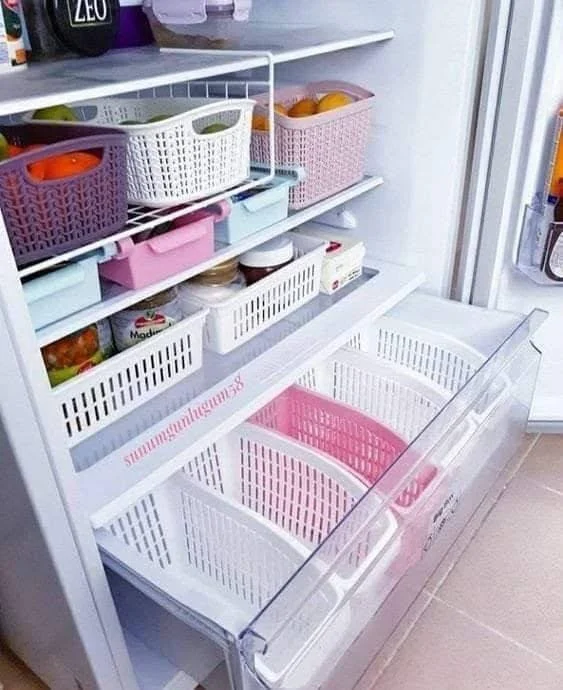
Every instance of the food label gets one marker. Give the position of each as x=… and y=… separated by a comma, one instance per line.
x=132, y=327
x=12, y=47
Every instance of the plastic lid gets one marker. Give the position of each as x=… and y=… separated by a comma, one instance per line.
x=273, y=253
x=88, y=28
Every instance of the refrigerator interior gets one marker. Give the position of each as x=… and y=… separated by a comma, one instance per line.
x=425, y=81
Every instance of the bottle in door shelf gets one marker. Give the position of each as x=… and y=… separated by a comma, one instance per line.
x=556, y=181
x=553, y=258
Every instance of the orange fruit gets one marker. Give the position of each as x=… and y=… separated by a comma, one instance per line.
x=260, y=122
x=280, y=108
x=14, y=150
x=70, y=164
x=303, y=108
x=36, y=169
x=333, y=100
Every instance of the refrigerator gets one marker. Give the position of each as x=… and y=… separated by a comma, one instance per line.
x=146, y=543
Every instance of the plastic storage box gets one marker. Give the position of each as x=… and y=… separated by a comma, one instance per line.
x=64, y=290
x=251, y=310
x=190, y=241
x=256, y=209
x=331, y=147
x=46, y=218
x=232, y=528
x=171, y=160
x=100, y=396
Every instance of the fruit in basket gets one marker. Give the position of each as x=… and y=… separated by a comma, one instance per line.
x=260, y=122
x=303, y=108
x=334, y=100
x=214, y=128
x=70, y=164
x=4, y=148
x=61, y=113
x=280, y=108
x=130, y=122
x=14, y=150
x=158, y=118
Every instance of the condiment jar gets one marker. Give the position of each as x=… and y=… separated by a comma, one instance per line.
x=266, y=259
x=145, y=319
x=72, y=355
x=221, y=274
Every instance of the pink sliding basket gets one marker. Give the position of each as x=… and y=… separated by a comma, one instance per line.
x=368, y=449
x=331, y=147
x=141, y=262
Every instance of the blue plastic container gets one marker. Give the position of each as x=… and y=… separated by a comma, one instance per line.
x=65, y=290
x=255, y=210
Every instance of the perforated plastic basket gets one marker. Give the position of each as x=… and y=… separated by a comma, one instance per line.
x=247, y=514
x=105, y=393
x=171, y=161
x=331, y=147
x=253, y=309
x=439, y=358
x=46, y=218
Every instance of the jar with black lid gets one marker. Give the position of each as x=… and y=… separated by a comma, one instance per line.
x=61, y=28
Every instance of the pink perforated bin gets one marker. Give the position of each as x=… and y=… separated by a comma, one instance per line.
x=188, y=243
x=331, y=147
x=369, y=450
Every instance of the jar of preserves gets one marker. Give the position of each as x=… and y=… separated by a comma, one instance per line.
x=72, y=355
x=145, y=319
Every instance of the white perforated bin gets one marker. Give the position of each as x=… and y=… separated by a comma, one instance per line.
x=441, y=359
x=112, y=389
x=172, y=161
x=229, y=531
x=253, y=309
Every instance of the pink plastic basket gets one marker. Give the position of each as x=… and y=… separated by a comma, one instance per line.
x=146, y=262
x=368, y=449
x=365, y=446
x=331, y=147
x=50, y=217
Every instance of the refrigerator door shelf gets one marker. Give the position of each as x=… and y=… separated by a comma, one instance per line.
x=277, y=642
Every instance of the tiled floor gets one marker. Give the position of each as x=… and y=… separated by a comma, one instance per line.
x=495, y=621
x=491, y=618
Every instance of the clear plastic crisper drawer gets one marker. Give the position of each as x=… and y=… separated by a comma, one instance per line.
x=286, y=554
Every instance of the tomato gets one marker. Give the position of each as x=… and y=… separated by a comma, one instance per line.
x=70, y=164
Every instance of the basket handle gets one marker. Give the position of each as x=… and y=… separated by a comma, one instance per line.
x=174, y=239
x=216, y=109
x=67, y=277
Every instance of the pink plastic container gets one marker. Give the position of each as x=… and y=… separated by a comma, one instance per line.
x=364, y=445
x=188, y=243
x=371, y=452
x=331, y=147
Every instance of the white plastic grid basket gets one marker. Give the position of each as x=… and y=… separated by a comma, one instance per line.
x=98, y=397
x=253, y=309
x=439, y=358
x=171, y=161
x=240, y=521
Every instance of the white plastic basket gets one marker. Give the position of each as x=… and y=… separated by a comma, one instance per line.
x=440, y=358
x=253, y=309
x=239, y=522
x=110, y=390
x=403, y=401
x=171, y=161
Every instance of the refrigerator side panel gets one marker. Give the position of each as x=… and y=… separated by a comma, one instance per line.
x=532, y=91
x=49, y=554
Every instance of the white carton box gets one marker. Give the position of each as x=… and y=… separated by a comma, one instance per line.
x=343, y=259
